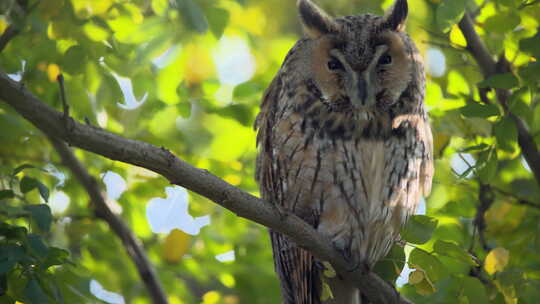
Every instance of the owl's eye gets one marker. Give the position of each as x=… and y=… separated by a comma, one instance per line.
x=334, y=64
x=385, y=59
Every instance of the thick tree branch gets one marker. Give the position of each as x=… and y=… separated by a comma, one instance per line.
x=489, y=67
x=102, y=210
x=163, y=162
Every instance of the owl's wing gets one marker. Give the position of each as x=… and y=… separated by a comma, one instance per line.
x=426, y=166
x=297, y=270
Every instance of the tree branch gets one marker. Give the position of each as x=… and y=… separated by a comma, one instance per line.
x=163, y=162
x=489, y=67
x=102, y=210
x=8, y=34
x=486, y=199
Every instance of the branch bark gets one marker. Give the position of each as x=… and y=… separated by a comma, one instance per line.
x=489, y=67
x=178, y=172
x=102, y=210
x=8, y=34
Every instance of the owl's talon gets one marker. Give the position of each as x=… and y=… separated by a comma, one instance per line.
x=364, y=268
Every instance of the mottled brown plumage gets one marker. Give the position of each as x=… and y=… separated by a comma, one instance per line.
x=344, y=143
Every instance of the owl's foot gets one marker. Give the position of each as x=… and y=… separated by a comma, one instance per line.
x=344, y=249
x=364, y=267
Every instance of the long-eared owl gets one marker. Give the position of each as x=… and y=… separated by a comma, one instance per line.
x=344, y=143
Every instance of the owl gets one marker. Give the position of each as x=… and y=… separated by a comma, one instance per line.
x=344, y=142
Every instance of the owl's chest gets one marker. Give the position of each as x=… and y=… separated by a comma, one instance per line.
x=317, y=169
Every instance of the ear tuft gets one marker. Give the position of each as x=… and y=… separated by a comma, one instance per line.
x=397, y=15
x=316, y=22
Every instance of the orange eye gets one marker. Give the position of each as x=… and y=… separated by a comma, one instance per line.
x=334, y=64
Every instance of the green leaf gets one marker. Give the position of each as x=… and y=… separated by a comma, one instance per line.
x=28, y=183
x=474, y=290
x=4, y=194
x=458, y=209
x=246, y=89
x=6, y=266
x=475, y=109
x=506, y=133
x=42, y=215
x=184, y=109
x=531, y=45
x=74, y=60
x=530, y=291
x=530, y=73
x=37, y=245
x=392, y=264
x=419, y=229
x=427, y=262
x=500, y=81
x=218, y=19
x=488, y=163
x=22, y=167
x=55, y=256
x=10, y=255
x=13, y=211
x=454, y=251
x=480, y=147
x=240, y=112
x=502, y=22
x=4, y=298
x=34, y=293
x=193, y=15
x=449, y=12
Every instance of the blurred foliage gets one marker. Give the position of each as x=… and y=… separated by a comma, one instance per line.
x=188, y=75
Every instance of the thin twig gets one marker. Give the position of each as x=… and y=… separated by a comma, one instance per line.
x=65, y=105
x=102, y=210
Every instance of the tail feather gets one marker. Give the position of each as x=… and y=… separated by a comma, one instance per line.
x=300, y=276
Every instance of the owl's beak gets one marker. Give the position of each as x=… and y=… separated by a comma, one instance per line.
x=362, y=89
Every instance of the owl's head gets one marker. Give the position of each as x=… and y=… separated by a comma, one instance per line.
x=365, y=60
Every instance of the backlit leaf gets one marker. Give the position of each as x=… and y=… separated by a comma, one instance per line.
x=42, y=215
x=474, y=290
x=419, y=229
x=531, y=45
x=454, y=251
x=431, y=265
x=488, y=163
x=475, y=109
x=500, y=81
x=34, y=293
x=449, y=12
x=506, y=133
x=176, y=245
x=193, y=15
x=496, y=260
x=5, y=194
x=392, y=264
x=217, y=19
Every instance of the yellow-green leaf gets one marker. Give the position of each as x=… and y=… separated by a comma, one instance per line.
x=175, y=246
x=496, y=260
